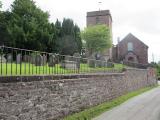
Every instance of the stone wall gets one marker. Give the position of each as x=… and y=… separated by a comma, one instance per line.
x=53, y=99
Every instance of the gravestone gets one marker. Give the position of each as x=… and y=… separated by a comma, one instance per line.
x=68, y=58
x=33, y=58
x=38, y=60
x=44, y=60
x=52, y=60
x=9, y=58
x=97, y=56
x=67, y=63
x=27, y=58
x=2, y=59
x=77, y=59
x=18, y=58
x=92, y=61
x=103, y=62
x=71, y=62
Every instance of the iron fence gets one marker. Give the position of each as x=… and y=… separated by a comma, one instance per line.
x=16, y=61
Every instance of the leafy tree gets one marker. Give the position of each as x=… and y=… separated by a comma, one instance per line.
x=0, y=4
x=158, y=70
x=71, y=40
x=29, y=26
x=68, y=45
x=77, y=35
x=4, y=17
x=97, y=38
x=67, y=27
x=58, y=36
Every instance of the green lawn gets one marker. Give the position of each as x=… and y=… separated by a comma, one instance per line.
x=31, y=69
x=92, y=112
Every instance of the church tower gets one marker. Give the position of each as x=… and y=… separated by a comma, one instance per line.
x=101, y=17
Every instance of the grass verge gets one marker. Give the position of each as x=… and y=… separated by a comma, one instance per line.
x=92, y=112
x=31, y=69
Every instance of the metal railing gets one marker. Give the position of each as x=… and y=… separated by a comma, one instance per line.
x=16, y=61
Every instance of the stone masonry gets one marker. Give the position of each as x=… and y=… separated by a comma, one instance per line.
x=54, y=99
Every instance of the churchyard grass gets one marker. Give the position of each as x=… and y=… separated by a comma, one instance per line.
x=31, y=69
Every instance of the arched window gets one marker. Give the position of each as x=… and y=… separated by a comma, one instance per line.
x=130, y=46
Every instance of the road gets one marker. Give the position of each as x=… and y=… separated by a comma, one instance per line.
x=142, y=107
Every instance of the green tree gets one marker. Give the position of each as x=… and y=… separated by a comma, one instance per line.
x=98, y=38
x=0, y=4
x=4, y=17
x=29, y=26
x=71, y=40
x=5, y=37
x=77, y=35
x=58, y=36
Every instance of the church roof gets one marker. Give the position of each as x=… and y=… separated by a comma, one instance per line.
x=131, y=37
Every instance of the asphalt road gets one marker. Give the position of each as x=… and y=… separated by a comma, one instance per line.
x=142, y=107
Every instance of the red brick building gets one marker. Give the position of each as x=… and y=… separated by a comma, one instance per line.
x=130, y=49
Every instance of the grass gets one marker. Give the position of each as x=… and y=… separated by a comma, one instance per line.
x=31, y=69
x=92, y=112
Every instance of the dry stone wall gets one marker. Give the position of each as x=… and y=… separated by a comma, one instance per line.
x=54, y=99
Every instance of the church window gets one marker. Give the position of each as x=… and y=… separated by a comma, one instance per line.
x=130, y=46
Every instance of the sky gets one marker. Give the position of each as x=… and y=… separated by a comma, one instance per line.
x=139, y=17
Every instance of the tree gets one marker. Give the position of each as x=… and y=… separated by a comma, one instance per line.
x=71, y=40
x=98, y=38
x=77, y=35
x=67, y=37
x=5, y=37
x=4, y=17
x=29, y=26
x=58, y=36
x=0, y=4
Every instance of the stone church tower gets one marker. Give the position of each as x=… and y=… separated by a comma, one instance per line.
x=101, y=17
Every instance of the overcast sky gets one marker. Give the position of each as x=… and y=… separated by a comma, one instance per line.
x=139, y=17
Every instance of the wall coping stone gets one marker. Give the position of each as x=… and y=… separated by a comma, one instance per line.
x=29, y=78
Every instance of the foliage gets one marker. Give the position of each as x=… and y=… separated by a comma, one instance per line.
x=70, y=37
x=154, y=64
x=4, y=18
x=158, y=70
x=0, y=4
x=27, y=26
x=92, y=112
x=97, y=38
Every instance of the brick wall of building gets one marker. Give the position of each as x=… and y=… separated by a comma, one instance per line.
x=139, y=49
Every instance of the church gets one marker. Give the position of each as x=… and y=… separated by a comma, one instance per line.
x=129, y=49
